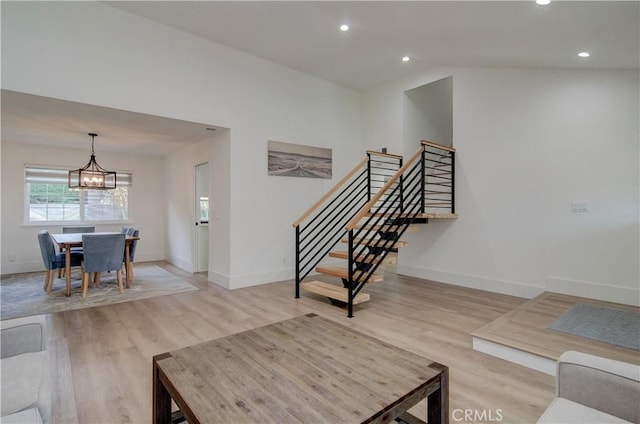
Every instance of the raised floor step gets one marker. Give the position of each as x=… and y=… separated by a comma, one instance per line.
x=390, y=259
x=358, y=276
x=333, y=291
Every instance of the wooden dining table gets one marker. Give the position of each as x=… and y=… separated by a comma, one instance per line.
x=67, y=241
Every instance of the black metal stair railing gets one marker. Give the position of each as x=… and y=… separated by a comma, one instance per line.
x=322, y=226
x=372, y=207
x=374, y=232
x=439, y=189
x=382, y=167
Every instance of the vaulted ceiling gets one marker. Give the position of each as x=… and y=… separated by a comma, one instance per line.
x=305, y=35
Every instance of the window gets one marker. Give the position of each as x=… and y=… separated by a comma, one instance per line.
x=49, y=199
x=204, y=210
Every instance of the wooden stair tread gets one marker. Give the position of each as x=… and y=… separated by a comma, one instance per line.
x=427, y=215
x=437, y=192
x=440, y=215
x=390, y=259
x=375, y=242
x=388, y=228
x=333, y=291
x=437, y=174
x=337, y=271
x=394, y=215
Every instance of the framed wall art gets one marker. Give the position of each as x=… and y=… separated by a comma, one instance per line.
x=298, y=160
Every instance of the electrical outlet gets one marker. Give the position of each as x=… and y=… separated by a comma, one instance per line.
x=579, y=207
x=12, y=257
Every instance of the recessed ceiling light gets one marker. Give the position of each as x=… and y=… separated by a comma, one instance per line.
x=584, y=54
x=543, y=2
x=406, y=58
x=344, y=27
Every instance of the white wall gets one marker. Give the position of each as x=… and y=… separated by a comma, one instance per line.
x=89, y=52
x=180, y=193
x=529, y=143
x=179, y=177
x=386, y=104
x=146, y=199
x=428, y=113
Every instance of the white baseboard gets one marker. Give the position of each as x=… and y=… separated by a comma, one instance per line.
x=19, y=267
x=471, y=281
x=526, y=359
x=218, y=279
x=141, y=257
x=249, y=280
x=616, y=294
x=180, y=263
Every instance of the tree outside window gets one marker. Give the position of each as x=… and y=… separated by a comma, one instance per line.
x=50, y=198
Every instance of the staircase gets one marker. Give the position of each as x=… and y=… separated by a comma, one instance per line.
x=368, y=211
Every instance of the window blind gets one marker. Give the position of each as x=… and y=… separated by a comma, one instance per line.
x=42, y=175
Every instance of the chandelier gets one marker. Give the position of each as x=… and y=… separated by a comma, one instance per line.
x=92, y=175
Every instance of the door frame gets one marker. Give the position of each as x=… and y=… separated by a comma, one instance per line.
x=196, y=217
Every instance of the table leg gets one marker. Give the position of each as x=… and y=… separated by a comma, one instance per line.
x=67, y=269
x=161, y=399
x=438, y=401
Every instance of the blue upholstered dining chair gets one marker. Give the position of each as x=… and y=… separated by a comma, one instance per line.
x=132, y=253
x=75, y=229
x=102, y=252
x=53, y=260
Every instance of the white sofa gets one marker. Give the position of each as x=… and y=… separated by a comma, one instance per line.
x=591, y=389
x=26, y=377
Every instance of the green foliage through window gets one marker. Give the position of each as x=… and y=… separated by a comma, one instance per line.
x=50, y=199
x=204, y=209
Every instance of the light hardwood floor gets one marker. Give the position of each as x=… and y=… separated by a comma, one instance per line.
x=102, y=356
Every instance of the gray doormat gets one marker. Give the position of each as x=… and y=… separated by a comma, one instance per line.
x=614, y=326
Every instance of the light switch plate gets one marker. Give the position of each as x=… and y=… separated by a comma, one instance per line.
x=579, y=207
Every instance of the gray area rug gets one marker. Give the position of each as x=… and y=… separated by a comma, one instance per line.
x=608, y=325
x=22, y=294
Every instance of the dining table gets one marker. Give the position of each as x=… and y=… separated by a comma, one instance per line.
x=67, y=241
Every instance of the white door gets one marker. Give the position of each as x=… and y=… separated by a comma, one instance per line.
x=202, y=217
